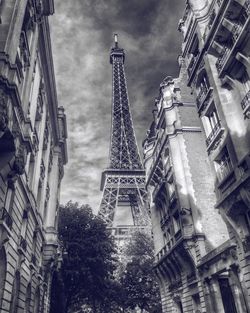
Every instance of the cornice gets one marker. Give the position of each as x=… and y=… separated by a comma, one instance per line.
x=49, y=76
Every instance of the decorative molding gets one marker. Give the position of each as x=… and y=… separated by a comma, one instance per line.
x=3, y=111
x=20, y=160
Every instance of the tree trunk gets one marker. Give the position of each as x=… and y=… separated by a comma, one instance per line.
x=67, y=304
x=94, y=306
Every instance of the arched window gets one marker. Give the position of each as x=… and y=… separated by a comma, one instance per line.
x=28, y=299
x=3, y=267
x=37, y=301
x=15, y=293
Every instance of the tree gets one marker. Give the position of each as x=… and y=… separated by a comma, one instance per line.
x=88, y=257
x=138, y=280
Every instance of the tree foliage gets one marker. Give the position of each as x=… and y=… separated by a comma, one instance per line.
x=138, y=280
x=88, y=257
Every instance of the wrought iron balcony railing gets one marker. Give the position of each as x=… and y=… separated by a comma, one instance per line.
x=192, y=64
x=201, y=95
x=222, y=58
x=224, y=170
x=165, y=220
x=236, y=30
x=203, y=98
x=168, y=246
x=214, y=133
x=5, y=217
x=247, y=6
x=245, y=104
x=172, y=197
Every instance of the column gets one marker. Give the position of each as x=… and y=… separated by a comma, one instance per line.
x=216, y=299
x=236, y=288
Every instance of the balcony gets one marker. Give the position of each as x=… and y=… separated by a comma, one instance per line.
x=214, y=135
x=222, y=58
x=203, y=97
x=165, y=220
x=5, y=218
x=236, y=30
x=245, y=104
x=247, y=6
x=192, y=63
x=168, y=169
x=172, y=198
x=234, y=37
x=246, y=244
x=224, y=170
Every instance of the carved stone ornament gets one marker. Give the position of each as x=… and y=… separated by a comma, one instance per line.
x=12, y=178
x=3, y=111
x=39, y=10
x=15, y=130
x=20, y=160
x=24, y=49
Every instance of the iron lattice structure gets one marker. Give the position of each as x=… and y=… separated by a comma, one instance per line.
x=123, y=183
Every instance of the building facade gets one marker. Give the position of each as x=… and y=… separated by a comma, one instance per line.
x=215, y=70
x=32, y=156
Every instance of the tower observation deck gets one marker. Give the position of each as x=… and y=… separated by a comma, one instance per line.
x=123, y=204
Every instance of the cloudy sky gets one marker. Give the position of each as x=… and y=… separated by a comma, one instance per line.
x=82, y=35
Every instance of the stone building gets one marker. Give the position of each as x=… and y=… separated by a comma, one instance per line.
x=32, y=155
x=200, y=270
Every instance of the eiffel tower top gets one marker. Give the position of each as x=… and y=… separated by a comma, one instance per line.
x=124, y=154
x=116, y=52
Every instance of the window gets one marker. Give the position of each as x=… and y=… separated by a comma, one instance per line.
x=28, y=299
x=34, y=246
x=24, y=223
x=227, y=296
x=193, y=55
x=176, y=222
x=223, y=165
x=212, y=125
x=3, y=267
x=245, y=103
x=15, y=293
x=204, y=83
x=162, y=202
x=171, y=189
x=245, y=81
x=196, y=303
x=37, y=300
x=247, y=220
x=213, y=119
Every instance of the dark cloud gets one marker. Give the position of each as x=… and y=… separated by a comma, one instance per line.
x=82, y=32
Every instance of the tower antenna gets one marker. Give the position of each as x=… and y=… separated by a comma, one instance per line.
x=116, y=40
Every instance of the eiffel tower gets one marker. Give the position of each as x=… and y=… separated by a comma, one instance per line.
x=123, y=205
